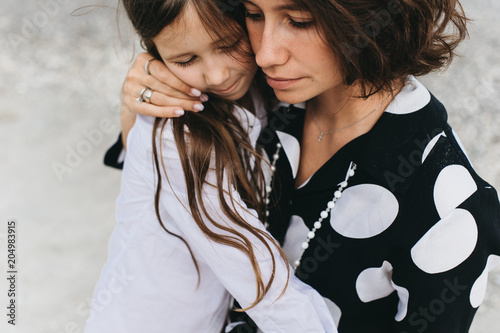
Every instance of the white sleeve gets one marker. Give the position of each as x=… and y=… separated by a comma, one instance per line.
x=301, y=309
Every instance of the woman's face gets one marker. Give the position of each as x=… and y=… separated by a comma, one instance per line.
x=298, y=64
x=195, y=58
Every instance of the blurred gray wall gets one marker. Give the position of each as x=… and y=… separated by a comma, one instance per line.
x=60, y=78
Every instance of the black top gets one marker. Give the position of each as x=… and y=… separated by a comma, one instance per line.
x=405, y=247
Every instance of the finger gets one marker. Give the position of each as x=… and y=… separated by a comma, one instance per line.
x=160, y=99
x=159, y=71
x=157, y=85
x=160, y=111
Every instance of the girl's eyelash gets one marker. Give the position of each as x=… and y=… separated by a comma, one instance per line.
x=185, y=63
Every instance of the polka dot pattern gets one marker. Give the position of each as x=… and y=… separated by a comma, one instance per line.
x=376, y=283
x=291, y=147
x=334, y=310
x=295, y=236
x=364, y=211
x=453, y=186
x=478, y=290
x=447, y=244
x=431, y=145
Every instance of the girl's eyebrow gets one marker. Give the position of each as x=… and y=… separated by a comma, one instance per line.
x=178, y=56
x=287, y=6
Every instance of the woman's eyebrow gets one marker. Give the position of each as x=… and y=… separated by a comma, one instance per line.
x=286, y=6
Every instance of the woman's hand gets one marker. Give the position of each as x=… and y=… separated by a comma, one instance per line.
x=170, y=96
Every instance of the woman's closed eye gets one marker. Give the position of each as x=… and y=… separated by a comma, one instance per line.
x=229, y=47
x=294, y=22
x=301, y=24
x=253, y=16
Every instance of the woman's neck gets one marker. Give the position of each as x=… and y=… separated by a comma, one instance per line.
x=333, y=120
x=341, y=111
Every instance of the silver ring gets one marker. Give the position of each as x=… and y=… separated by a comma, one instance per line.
x=147, y=95
x=140, y=99
x=147, y=66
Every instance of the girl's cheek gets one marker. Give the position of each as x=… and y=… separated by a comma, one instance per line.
x=191, y=75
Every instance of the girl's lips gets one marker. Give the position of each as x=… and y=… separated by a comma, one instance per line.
x=281, y=83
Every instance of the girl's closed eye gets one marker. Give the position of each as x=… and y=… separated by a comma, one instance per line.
x=186, y=63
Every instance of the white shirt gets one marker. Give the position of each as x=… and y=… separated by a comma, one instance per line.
x=149, y=283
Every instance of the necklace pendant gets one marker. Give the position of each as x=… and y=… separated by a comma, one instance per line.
x=320, y=137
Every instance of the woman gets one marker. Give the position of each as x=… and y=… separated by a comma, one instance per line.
x=188, y=235
x=374, y=200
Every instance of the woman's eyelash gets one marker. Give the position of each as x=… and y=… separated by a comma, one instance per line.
x=253, y=17
x=301, y=25
x=230, y=47
x=295, y=24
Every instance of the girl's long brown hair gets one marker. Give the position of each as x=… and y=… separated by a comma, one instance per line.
x=216, y=140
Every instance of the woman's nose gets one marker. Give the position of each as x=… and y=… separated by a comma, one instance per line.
x=270, y=50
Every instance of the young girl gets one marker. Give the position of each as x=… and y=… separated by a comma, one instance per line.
x=188, y=235
x=374, y=199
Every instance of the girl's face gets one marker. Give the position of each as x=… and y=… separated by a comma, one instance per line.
x=194, y=57
x=298, y=64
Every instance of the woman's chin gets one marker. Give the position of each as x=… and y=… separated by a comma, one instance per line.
x=290, y=97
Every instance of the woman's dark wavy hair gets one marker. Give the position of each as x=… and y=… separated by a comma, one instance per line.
x=381, y=42
x=216, y=137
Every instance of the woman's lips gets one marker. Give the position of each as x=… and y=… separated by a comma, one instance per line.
x=281, y=83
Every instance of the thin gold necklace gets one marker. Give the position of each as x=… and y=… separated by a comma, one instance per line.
x=322, y=134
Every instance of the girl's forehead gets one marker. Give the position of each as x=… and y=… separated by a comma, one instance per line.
x=186, y=34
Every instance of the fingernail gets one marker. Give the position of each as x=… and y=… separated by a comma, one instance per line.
x=198, y=107
x=204, y=98
x=196, y=92
x=179, y=112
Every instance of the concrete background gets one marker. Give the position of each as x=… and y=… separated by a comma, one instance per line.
x=60, y=77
